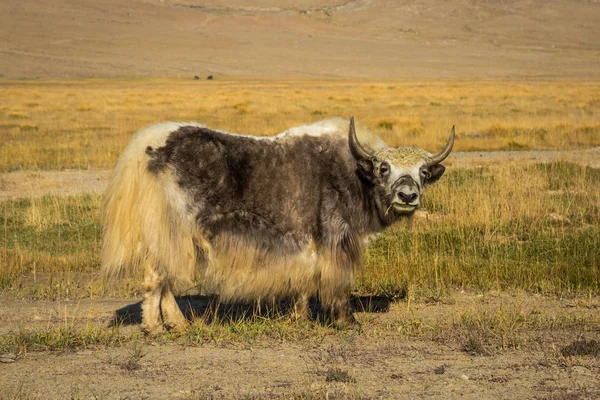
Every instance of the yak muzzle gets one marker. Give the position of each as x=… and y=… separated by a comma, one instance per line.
x=407, y=197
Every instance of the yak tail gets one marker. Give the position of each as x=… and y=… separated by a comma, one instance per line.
x=146, y=225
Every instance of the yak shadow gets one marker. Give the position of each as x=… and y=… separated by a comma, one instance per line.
x=210, y=309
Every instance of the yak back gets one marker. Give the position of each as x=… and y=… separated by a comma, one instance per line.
x=278, y=193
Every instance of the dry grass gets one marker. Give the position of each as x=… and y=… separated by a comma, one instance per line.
x=83, y=124
x=530, y=227
x=533, y=227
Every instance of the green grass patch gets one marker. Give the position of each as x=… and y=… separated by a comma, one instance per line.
x=208, y=329
x=49, y=246
x=64, y=338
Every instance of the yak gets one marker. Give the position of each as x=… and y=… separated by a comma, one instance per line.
x=251, y=217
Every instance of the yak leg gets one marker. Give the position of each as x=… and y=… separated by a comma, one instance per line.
x=339, y=309
x=172, y=316
x=335, y=287
x=257, y=307
x=300, y=312
x=151, y=320
x=342, y=312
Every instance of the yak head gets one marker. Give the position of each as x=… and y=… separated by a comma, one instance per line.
x=396, y=175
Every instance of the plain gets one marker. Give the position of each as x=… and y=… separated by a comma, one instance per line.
x=502, y=262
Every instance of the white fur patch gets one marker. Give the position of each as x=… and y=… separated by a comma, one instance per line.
x=336, y=127
x=240, y=274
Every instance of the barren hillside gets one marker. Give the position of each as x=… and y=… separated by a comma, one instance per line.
x=309, y=38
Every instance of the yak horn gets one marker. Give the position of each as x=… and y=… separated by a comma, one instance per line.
x=358, y=151
x=441, y=156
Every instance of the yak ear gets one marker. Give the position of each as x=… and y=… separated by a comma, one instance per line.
x=435, y=172
x=366, y=165
x=366, y=170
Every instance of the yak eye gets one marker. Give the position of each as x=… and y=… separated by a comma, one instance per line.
x=384, y=169
x=425, y=173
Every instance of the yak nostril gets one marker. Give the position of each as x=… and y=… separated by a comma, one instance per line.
x=407, y=197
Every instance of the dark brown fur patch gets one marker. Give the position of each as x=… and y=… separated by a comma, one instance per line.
x=276, y=193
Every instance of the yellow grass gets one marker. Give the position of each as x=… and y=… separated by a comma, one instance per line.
x=534, y=227
x=83, y=124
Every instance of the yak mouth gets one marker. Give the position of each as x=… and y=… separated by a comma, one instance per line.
x=403, y=208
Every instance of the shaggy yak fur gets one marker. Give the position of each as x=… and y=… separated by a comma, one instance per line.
x=255, y=217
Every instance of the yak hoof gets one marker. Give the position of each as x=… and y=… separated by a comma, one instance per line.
x=178, y=327
x=345, y=322
x=153, y=331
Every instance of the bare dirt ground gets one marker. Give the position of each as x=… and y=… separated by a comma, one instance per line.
x=377, y=363
x=384, y=39
x=22, y=184
x=27, y=184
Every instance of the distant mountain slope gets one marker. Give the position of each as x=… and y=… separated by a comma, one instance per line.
x=309, y=38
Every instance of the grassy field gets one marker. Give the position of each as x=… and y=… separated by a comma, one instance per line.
x=507, y=228
x=85, y=124
x=480, y=231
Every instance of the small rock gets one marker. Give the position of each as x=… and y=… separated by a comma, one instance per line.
x=464, y=377
x=8, y=358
